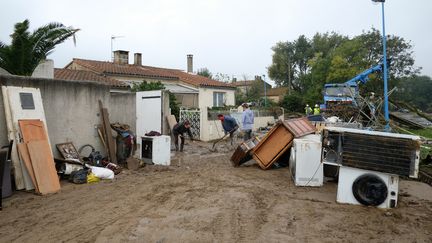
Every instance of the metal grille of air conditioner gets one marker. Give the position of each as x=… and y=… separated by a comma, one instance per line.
x=378, y=153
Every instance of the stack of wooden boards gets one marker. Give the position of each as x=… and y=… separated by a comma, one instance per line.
x=36, y=154
x=32, y=158
x=275, y=143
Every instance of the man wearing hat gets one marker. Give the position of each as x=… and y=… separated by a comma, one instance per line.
x=247, y=121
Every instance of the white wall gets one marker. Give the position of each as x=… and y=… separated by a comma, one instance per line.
x=206, y=96
x=45, y=69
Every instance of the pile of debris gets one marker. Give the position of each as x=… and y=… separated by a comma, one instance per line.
x=366, y=164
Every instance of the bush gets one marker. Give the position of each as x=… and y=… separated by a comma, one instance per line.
x=293, y=103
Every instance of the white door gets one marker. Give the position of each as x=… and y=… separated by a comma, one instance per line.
x=149, y=112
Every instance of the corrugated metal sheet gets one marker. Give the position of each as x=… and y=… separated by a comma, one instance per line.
x=299, y=126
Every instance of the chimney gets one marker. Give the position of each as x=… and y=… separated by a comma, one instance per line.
x=190, y=63
x=121, y=57
x=137, y=59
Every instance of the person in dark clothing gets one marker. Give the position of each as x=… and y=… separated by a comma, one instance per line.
x=178, y=131
x=229, y=125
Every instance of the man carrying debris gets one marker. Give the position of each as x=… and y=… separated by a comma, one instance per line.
x=248, y=121
x=229, y=125
x=179, y=130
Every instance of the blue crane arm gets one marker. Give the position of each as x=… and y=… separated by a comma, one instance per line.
x=364, y=76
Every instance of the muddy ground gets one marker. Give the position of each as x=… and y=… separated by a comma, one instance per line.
x=202, y=198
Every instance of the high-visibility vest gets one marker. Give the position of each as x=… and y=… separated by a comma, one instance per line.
x=317, y=111
x=308, y=110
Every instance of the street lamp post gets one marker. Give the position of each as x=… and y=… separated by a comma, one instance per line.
x=386, y=110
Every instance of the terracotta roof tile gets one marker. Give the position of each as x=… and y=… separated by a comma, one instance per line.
x=277, y=91
x=110, y=68
x=243, y=83
x=79, y=75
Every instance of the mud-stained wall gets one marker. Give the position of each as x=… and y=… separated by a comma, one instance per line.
x=72, y=110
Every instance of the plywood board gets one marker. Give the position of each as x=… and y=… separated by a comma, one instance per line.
x=43, y=165
x=171, y=121
x=32, y=130
x=25, y=157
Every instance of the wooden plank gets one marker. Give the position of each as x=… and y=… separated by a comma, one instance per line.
x=171, y=121
x=109, y=140
x=43, y=165
x=25, y=157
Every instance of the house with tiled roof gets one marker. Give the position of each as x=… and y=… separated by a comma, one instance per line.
x=190, y=89
x=276, y=94
x=82, y=75
x=244, y=86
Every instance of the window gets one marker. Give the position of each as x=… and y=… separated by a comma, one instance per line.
x=218, y=99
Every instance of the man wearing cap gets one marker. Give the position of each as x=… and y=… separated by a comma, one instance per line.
x=247, y=121
x=229, y=125
x=179, y=130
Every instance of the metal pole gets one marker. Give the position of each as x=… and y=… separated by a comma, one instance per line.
x=386, y=110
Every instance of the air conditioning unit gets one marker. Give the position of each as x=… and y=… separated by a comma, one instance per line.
x=369, y=188
x=305, y=161
x=384, y=152
x=156, y=149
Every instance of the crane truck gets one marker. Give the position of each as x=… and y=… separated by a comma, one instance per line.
x=339, y=95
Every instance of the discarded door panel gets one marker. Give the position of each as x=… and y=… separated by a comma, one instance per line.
x=243, y=152
x=273, y=145
x=370, y=150
x=300, y=126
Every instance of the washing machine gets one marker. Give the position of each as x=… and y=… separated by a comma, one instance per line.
x=369, y=188
x=305, y=161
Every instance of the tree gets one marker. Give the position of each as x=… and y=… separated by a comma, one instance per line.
x=305, y=65
x=27, y=49
x=416, y=91
x=205, y=73
x=147, y=86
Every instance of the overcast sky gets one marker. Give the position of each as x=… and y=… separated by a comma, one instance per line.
x=233, y=37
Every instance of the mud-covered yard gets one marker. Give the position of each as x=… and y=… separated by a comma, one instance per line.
x=202, y=198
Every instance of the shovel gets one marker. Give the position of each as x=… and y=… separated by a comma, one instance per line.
x=220, y=139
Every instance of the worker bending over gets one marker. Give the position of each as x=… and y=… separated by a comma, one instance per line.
x=179, y=130
x=229, y=125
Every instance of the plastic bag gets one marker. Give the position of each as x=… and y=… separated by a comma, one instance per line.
x=91, y=178
x=79, y=177
x=102, y=173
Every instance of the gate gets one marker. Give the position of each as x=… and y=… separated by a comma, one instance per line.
x=194, y=117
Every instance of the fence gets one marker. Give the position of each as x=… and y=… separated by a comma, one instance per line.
x=194, y=117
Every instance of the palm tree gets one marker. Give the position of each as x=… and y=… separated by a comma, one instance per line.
x=27, y=49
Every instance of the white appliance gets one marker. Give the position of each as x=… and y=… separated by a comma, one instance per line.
x=365, y=187
x=156, y=149
x=305, y=161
